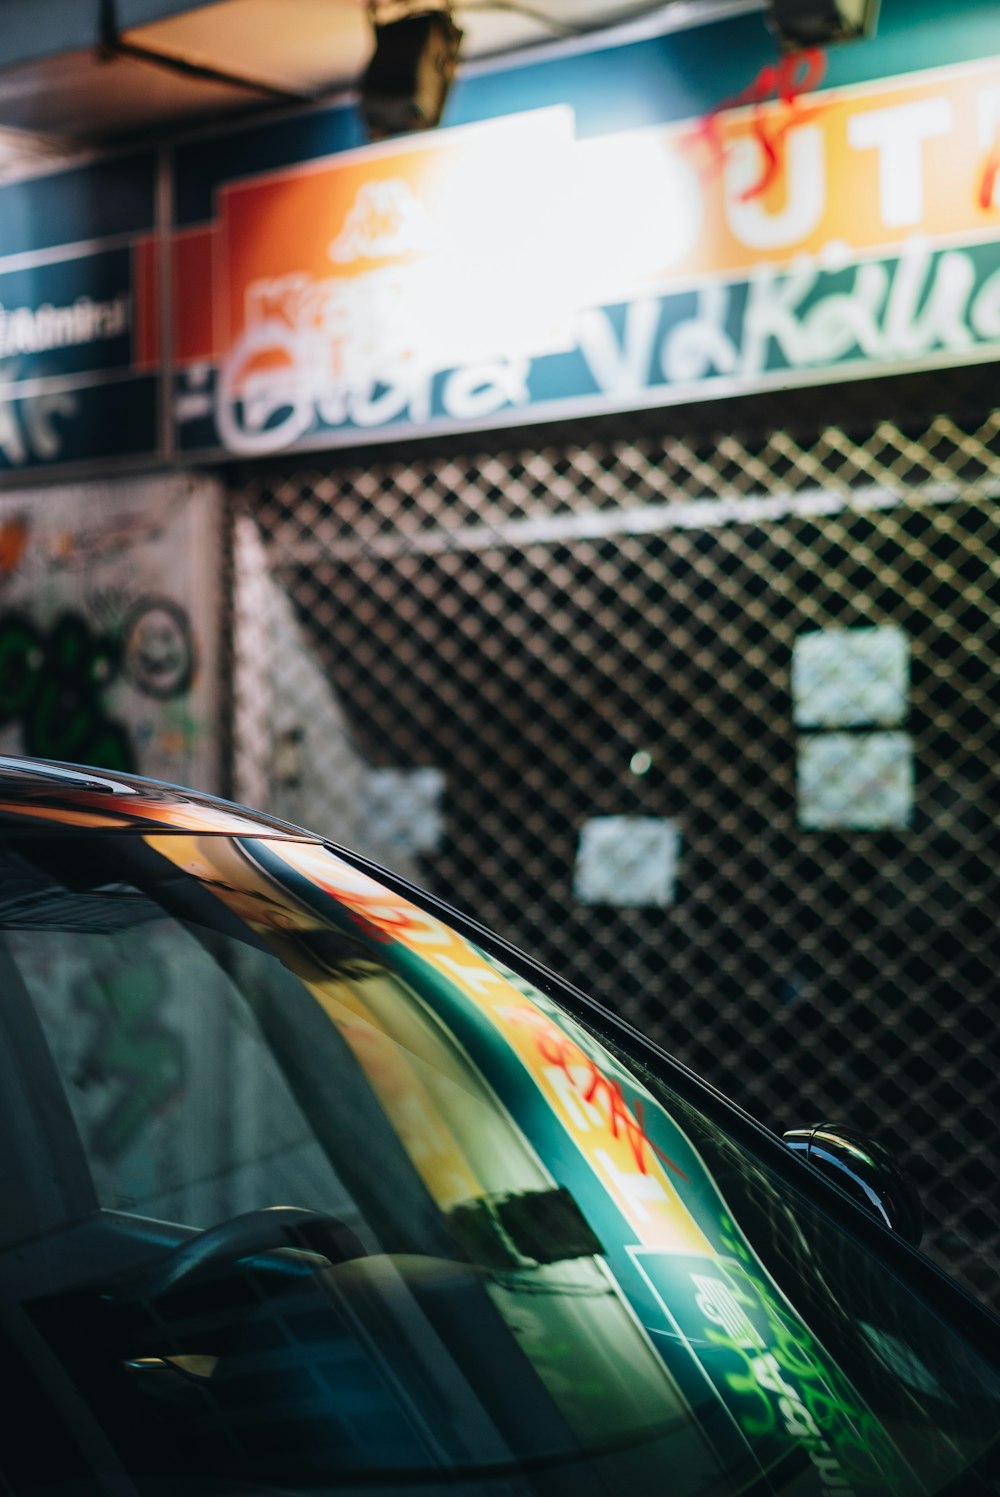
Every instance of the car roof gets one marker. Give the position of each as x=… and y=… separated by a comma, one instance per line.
x=75, y=797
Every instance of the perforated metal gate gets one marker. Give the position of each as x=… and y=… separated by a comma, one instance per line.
x=529, y=622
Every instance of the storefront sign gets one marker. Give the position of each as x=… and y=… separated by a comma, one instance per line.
x=550, y=258
x=79, y=336
x=508, y=271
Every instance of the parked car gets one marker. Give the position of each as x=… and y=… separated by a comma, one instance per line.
x=311, y=1184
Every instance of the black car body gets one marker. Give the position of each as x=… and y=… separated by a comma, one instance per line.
x=310, y=1184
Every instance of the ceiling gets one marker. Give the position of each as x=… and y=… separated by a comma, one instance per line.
x=80, y=73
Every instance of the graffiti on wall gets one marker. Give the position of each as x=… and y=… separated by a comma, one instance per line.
x=54, y=681
x=108, y=618
x=158, y=648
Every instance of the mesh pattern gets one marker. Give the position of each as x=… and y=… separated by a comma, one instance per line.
x=527, y=621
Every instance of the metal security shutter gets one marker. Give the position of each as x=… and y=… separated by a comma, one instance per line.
x=526, y=622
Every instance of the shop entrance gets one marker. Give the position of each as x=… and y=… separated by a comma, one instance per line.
x=616, y=628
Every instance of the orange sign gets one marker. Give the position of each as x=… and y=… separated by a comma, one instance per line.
x=343, y=246
x=469, y=276
x=863, y=170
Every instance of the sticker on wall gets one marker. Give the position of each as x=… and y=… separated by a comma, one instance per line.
x=402, y=809
x=629, y=861
x=861, y=782
x=844, y=678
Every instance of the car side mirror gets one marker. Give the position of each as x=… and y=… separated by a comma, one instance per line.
x=866, y=1171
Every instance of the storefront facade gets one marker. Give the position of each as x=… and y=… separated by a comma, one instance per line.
x=606, y=485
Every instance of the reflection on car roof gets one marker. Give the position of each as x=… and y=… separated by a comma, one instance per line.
x=69, y=797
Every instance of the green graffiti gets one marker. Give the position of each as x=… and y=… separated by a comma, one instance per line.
x=132, y=1046
x=53, y=684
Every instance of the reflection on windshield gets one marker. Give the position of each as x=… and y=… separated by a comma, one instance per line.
x=524, y=1251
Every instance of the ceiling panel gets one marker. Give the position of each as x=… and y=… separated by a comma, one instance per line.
x=311, y=45
x=258, y=50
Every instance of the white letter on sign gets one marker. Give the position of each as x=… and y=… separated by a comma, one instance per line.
x=805, y=188
x=898, y=134
x=989, y=125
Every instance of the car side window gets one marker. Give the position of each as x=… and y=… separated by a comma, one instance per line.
x=182, y=1109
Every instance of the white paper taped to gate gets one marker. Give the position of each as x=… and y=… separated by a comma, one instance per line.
x=402, y=809
x=843, y=678
x=629, y=861
x=858, y=781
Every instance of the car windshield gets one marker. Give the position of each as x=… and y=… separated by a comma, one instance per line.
x=309, y=1191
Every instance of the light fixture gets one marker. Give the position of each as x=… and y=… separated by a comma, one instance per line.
x=407, y=80
x=816, y=23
